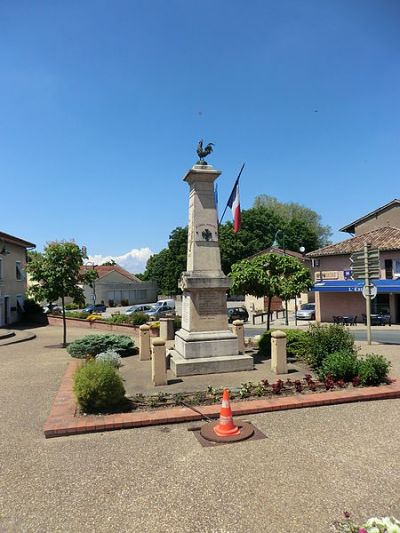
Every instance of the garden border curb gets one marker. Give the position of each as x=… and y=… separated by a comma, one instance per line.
x=62, y=420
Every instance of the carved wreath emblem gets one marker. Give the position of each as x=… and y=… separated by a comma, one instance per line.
x=207, y=235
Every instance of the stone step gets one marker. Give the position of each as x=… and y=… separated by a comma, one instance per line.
x=17, y=336
x=6, y=334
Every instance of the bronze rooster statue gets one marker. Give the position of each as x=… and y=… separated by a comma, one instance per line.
x=203, y=152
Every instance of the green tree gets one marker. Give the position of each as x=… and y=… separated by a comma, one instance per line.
x=270, y=275
x=299, y=226
x=166, y=267
x=295, y=214
x=56, y=273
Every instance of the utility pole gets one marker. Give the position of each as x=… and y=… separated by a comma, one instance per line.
x=367, y=292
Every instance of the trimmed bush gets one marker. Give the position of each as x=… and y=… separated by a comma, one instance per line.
x=71, y=307
x=77, y=314
x=296, y=343
x=111, y=357
x=264, y=344
x=98, y=387
x=343, y=365
x=324, y=340
x=135, y=319
x=373, y=369
x=91, y=345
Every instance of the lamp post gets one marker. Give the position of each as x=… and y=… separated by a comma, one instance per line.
x=93, y=282
x=302, y=250
x=275, y=244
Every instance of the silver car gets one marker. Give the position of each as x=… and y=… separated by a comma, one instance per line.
x=306, y=312
x=143, y=308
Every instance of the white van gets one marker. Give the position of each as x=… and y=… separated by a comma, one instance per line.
x=165, y=303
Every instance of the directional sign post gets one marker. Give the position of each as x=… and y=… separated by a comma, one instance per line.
x=365, y=265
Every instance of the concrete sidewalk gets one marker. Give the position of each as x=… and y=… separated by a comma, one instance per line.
x=313, y=465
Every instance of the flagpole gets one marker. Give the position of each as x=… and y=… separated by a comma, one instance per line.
x=226, y=207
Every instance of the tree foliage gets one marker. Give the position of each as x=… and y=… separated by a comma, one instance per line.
x=166, y=267
x=293, y=213
x=56, y=273
x=270, y=275
x=298, y=225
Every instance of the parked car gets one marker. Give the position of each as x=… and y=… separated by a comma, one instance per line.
x=237, y=313
x=97, y=308
x=52, y=309
x=306, y=312
x=166, y=303
x=138, y=309
x=160, y=311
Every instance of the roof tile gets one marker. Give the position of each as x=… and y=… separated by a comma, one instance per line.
x=386, y=238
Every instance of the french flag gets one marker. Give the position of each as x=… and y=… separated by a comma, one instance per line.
x=234, y=204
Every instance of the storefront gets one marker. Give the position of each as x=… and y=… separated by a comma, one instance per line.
x=344, y=297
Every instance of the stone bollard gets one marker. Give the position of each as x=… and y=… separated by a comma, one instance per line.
x=238, y=330
x=159, y=363
x=278, y=352
x=167, y=329
x=144, y=343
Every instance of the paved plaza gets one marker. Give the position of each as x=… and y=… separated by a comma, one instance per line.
x=313, y=465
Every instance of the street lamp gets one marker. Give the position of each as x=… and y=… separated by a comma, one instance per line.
x=302, y=250
x=93, y=282
x=279, y=234
x=275, y=244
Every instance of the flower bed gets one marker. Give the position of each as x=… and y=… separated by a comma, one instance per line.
x=247, y=391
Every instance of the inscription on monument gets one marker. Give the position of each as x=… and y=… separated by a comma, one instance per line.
x=209, y=304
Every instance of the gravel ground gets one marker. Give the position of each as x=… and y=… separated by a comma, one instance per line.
x=313, y=465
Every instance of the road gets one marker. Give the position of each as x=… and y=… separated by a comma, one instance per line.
x=383, y=336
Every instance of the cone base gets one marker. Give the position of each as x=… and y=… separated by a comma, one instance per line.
x=208, y=433
x=221, y=431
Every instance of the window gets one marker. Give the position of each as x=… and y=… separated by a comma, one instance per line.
x=396, y=269
x=18, y=271
x=388, y=269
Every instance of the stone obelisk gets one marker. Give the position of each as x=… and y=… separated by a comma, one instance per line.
x=205, y=344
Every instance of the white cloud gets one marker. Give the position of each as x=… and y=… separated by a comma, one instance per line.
x=133, y=261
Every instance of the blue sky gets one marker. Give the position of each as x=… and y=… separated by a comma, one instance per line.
x=102, y=104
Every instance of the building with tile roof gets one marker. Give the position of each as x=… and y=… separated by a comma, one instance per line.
x=13, y=284
x=339, y=292
x=386, y=215
x=116, y=286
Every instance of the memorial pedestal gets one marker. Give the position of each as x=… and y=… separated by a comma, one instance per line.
x=205, y=344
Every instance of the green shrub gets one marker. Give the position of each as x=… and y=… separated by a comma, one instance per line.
x=118, y=319
x=71, y=307
x=135, y=319
x=296, y=343
x=324, y=340
x=98, y=387
x=91, y=345
x=373, y=369
x=340, y=365
x=264, y=345
x=139, y=318
x=77, y=314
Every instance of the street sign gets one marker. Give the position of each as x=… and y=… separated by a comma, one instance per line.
x=357, y=260
x=369, y=290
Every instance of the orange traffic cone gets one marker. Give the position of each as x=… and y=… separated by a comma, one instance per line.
x=226, y=427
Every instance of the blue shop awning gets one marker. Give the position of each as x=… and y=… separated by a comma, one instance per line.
x=383, y=286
